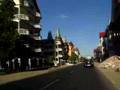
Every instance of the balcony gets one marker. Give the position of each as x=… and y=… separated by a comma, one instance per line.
x=26, y=45
x=21, y=16
x=38, y=50
x=37, y=26
x=36, y=37
x=59, y=49
x=59, y=56
x=17, y=2
x=16, y=20
x=23, y=31
x=58, y=43
x=38, y=14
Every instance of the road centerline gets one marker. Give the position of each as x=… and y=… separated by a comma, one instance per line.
x=50, y=84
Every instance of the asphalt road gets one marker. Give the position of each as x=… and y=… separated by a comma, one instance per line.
x=71, y=78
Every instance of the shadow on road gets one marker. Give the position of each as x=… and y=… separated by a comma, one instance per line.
x=71, y=78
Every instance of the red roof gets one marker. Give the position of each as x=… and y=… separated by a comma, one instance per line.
x=102, y=34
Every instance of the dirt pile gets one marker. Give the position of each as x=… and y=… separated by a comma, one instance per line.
x=111, y=63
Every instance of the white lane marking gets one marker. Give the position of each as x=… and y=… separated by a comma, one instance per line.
x=50, y=84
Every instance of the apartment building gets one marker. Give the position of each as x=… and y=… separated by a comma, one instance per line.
x=28, y=18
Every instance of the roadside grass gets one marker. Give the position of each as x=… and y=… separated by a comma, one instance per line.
x=2, y=73
x=6, y=78
x=113, y=76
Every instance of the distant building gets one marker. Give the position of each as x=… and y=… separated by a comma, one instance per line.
x=102, y=43
x=48, y=50
x=60, y=49
x=103, y=46
x=73, y=52
x=101, y=52
x=77, y=52
x=70, y=48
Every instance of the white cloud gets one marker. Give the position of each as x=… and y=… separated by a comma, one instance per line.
x=63, y=16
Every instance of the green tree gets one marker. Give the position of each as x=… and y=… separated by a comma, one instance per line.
x=73, y=58
x=8, y=34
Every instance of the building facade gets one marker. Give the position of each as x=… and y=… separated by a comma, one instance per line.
x=28, y=51
x=115, y=10
x=60, y=49
x=28, y=23
x=73, y=53
x=103, y=46
x=48, y=51
x=70, y=48
x=113, y=29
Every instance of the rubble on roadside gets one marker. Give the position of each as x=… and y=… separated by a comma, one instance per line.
x=111, y=63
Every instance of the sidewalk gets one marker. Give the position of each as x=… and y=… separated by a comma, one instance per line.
x=113, y=76
x=27, y=74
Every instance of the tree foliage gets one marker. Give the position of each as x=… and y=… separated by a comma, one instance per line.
x=8, y=34
x=73, y=57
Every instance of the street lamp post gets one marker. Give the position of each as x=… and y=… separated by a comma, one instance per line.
x=19, y=63
x=13, y=64
x=29, y=63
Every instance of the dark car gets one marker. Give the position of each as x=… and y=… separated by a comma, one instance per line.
x=88, y=63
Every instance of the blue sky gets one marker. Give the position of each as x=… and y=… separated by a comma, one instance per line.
x=80, y=21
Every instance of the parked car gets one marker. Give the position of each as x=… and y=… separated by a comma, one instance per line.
x=89, y=62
